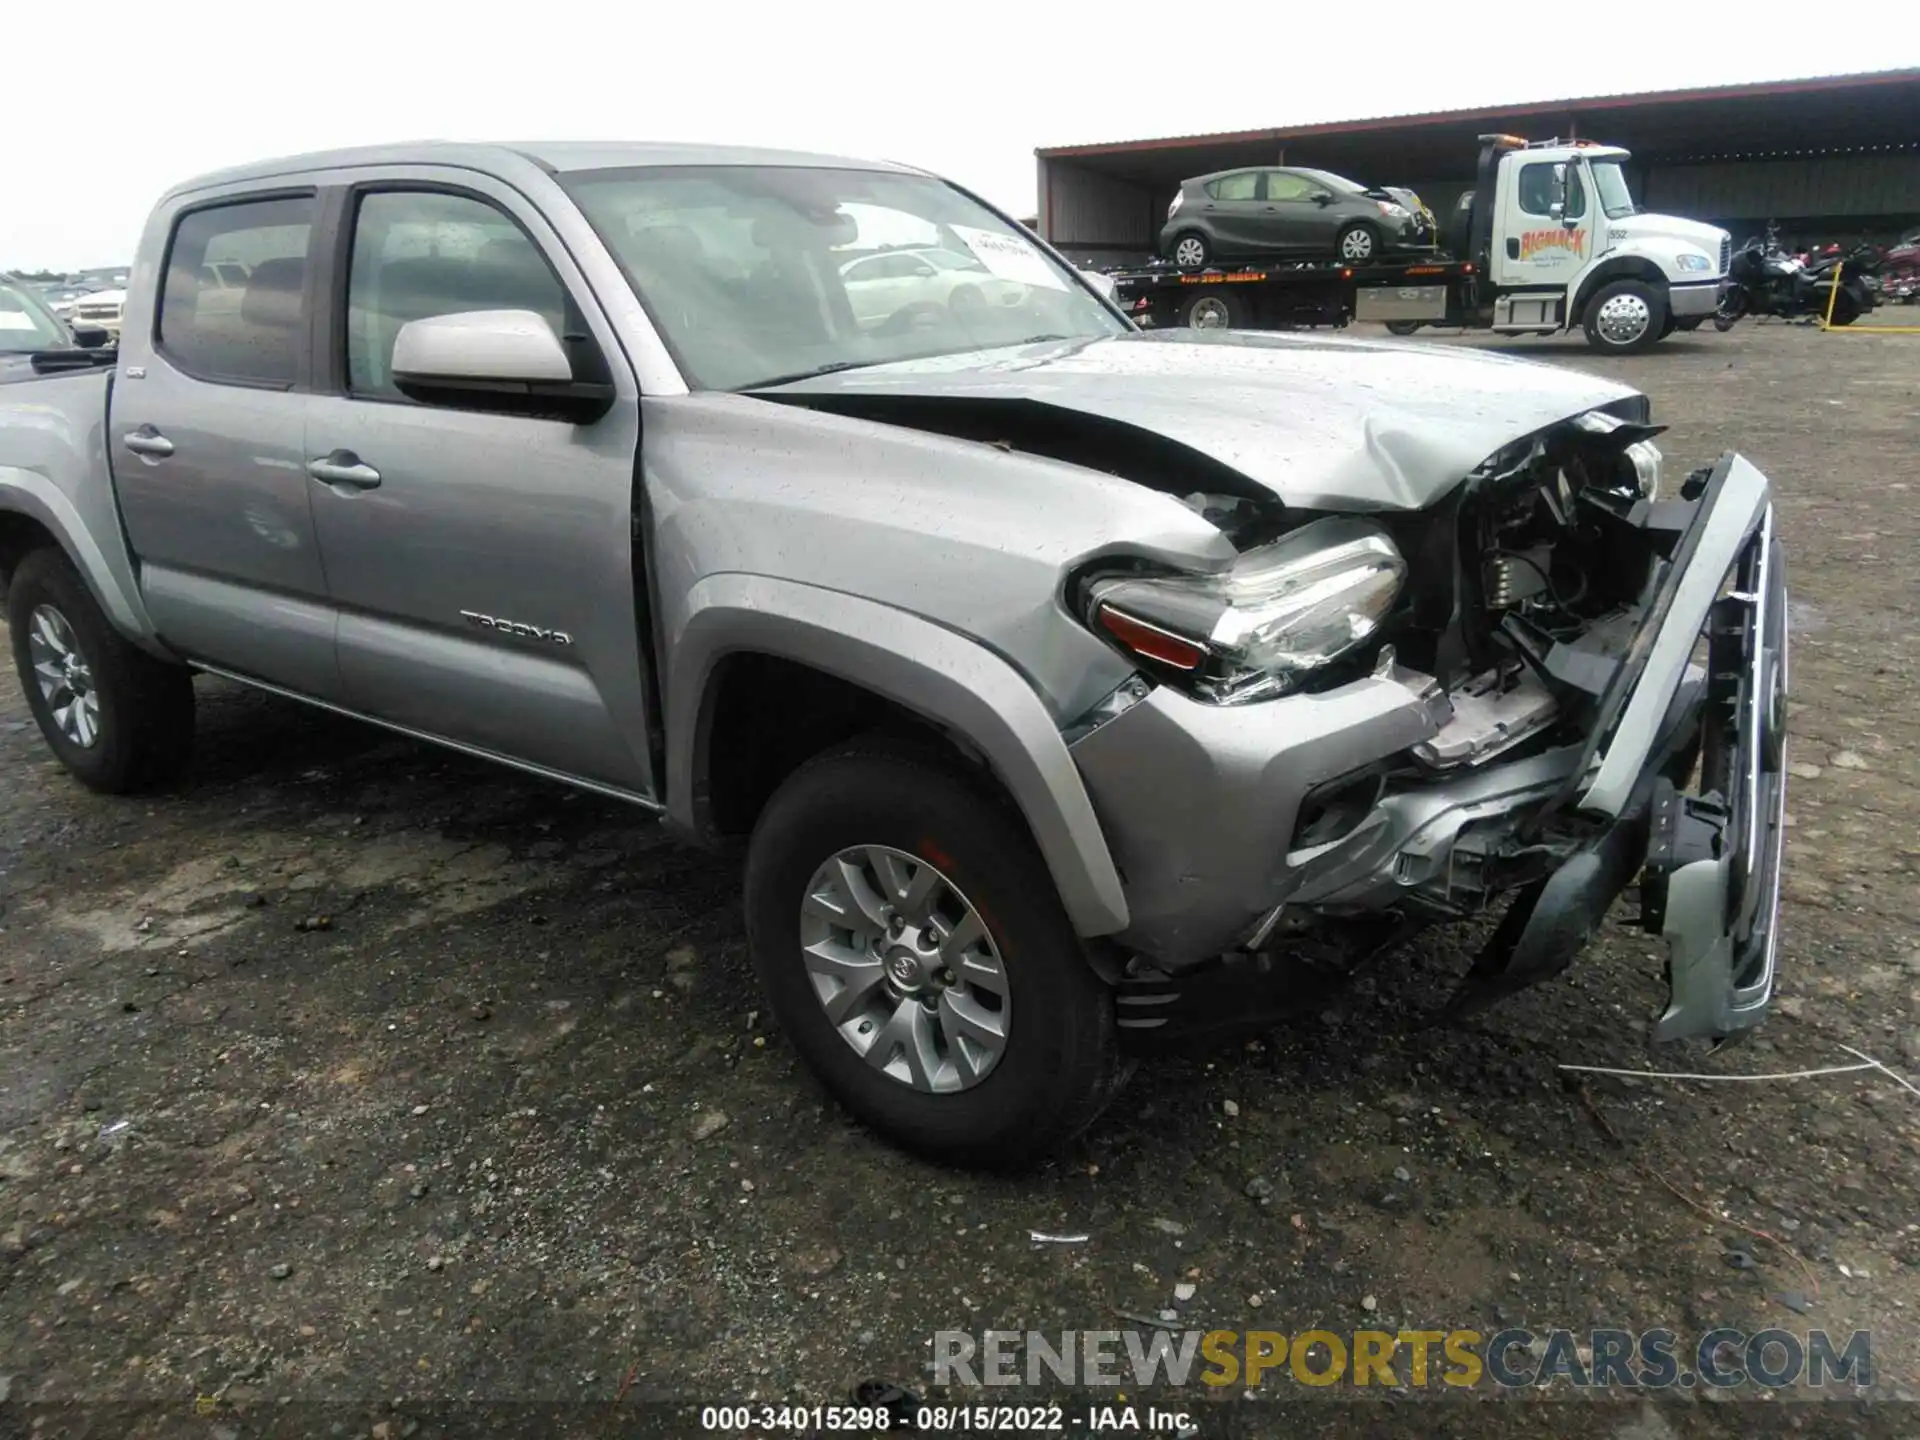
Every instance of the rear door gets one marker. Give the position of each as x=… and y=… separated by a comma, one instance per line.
x=483, y=563
x=207, y=434
x=1232, y=204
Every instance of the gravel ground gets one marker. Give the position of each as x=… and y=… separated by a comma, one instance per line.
x=356, y=1072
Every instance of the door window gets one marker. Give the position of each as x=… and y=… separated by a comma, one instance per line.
x=1243, y=186
x=1537, y=191
x=417, y=254
x=1285, y=185
x=233, y=301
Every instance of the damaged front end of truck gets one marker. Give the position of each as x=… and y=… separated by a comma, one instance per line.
x=1553, y=680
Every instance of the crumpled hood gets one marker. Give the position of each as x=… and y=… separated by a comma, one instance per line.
x=1320, y=422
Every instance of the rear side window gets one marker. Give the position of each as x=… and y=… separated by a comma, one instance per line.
x=1235, y=187
x=417, y=254
x=233, y=301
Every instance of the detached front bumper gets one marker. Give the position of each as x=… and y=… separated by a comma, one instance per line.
x=1218, y=817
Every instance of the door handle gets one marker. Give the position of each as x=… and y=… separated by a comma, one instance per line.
x=343, y=467
x=148, y=441
x=1513, y=247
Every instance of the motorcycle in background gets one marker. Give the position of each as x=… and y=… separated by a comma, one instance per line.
x=1763, y=279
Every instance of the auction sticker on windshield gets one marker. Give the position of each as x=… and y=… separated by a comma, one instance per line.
x=1010, y=257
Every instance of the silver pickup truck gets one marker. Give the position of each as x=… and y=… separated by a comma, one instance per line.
x=1049, y=670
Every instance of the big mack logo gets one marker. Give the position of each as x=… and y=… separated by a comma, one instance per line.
x=1557, y=237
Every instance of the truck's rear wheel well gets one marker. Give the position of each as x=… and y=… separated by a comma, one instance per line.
x=765, y=716
x=1626, y=267
x=20, y=536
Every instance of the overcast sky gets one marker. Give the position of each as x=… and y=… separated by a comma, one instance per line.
x=125, y=99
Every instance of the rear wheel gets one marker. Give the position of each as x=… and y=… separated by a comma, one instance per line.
x=913, y=949
x=1625, y=317
x=1211, y=311
x=1191, y=251
x=1402, y=327
x=117, y=718
x=1358, y=244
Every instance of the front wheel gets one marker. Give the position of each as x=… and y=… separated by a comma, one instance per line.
x=1402, y=327
x=1358, y=244
x=118, y=718
x=912, y=948
x=1625, y=317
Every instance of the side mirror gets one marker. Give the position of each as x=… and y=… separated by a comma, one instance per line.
x=1323, y=197
x=508, y=361
x=91, y=337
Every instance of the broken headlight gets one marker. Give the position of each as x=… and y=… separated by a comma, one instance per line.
x=1253, y=630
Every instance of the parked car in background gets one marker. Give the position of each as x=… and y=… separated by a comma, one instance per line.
x=102, y=308
x=904, y=287
x=1237, y=213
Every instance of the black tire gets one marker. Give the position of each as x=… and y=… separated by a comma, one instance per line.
x=145, y=706
x=1204, y=258
x=1649, y=335
x=1402, y=327
x=1355, y=236
x=1846, y=310
x=1060, y=1064
x=1213, y=308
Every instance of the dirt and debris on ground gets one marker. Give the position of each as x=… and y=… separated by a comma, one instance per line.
x=355, y=1070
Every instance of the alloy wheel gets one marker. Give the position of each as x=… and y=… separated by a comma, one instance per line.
x=1624, y=319
x=1191, y=252
x=64, y=676
x=1357, y=245
x=905, y=968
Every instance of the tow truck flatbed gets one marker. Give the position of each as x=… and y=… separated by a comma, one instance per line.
x=1294, y=293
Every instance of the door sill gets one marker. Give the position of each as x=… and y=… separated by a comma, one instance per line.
x=598, y=787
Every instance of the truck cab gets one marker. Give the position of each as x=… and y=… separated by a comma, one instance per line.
x=1564, y=244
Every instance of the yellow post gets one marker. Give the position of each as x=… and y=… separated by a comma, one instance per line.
x=1827, y=323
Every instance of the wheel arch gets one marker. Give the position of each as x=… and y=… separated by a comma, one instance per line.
x=1608, y=270
x=34, y=514
x=907, y=667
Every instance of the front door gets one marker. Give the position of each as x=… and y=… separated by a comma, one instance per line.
x=483, y=563
x=1293, y=219
x=207, y=433
x=1537, y=248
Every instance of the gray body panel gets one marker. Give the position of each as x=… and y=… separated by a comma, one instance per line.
x=54, y=471
x=1320, y=421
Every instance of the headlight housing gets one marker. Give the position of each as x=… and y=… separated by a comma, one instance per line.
x=1393, y=211
x=1257, y=629
x=1693, y=260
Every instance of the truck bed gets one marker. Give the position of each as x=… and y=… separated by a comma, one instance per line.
x=1276, y=294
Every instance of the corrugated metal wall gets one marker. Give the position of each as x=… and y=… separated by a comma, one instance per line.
x=1081, y=208
x=1830, y=185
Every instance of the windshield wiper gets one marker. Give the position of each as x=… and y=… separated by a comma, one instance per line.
x=832, y=367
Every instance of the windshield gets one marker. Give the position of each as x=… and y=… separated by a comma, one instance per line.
x=1610, y=184
x=25, y=323
x=762, y=274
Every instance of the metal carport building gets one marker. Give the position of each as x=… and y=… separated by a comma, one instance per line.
x=1832, y=157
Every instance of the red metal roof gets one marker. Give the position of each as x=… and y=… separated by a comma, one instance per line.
x=1759, y=90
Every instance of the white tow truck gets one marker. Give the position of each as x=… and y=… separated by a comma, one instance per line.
x=1548, y=240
